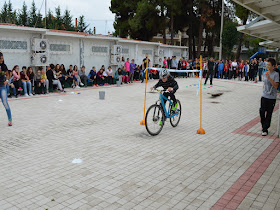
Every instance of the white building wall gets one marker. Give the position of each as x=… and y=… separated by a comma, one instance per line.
x=73, y=54
x=65, y=58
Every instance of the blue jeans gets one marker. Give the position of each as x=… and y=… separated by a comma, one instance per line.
x=260, y=74
x=4, y=98
x=8, y=89
x=220, y=75
x=28, y=83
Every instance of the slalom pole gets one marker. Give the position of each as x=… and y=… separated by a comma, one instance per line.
x=143, y=121
x=200, y=130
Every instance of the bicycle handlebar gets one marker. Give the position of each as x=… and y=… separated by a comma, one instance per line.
x=161, y=91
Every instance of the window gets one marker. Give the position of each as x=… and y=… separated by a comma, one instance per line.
x=125, y=51
x=60, y=47
x=149, y=52
x=177, y=54
x=100, y=49
x=13, y=45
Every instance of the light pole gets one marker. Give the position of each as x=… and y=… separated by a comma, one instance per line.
x=46, y=14
x=222, y=26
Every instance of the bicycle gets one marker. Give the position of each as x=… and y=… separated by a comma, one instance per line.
x=159, y=113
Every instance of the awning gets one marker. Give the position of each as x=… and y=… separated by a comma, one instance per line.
x=268, y=9
x=268, y=29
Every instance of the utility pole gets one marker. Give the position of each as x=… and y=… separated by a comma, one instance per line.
x=222, y=26
x=45, y=14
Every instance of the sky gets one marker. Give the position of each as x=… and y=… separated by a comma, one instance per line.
x=96, y=12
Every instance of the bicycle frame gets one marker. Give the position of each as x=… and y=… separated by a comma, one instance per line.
x=167, y=112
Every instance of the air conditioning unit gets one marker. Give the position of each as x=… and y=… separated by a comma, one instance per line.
x=116, y=49
x=40, y=59
x=158, y=60
x=115, y=59
x=40, y=45
x=157, y=52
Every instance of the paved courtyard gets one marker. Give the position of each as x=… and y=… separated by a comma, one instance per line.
x=122, y=167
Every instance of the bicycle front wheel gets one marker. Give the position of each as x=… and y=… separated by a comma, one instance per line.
x=174, y=121
x=154, y=120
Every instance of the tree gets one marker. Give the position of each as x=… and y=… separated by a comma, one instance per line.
x=82, y=26
x=7, y=13
x=32, y=15
x=12, y=17
x=23, y=16
x=243, y=14
x=145, y=24
x=124, y=10
x=58, y=19
x=229, y=37
x=174, y=8
x=4, y=13
x=50, y=20
x=67, y=21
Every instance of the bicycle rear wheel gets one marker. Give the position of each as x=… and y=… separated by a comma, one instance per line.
x=174, y=121
x=154, y=120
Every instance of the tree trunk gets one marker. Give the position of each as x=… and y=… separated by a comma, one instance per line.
x=171, y=29
x=164, y=36
x=210, y=46
x=241, y=37
x=194, y=51
x=200, y=38
x=164, y=26
x=205, y=44
x=190, y=42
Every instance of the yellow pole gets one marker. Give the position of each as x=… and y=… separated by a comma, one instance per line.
x=143, y=121
x=200, y=130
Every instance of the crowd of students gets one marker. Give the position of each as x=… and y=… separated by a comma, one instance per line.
x=25, y=82
x=222, y=69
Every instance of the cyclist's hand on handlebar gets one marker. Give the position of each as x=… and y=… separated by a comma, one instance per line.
x=170, y=89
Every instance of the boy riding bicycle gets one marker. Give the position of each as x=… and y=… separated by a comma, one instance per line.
x=168, y=83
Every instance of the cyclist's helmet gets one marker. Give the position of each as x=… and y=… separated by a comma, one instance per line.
x=163, y=74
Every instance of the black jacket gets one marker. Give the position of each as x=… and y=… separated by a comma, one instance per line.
x=171, y=82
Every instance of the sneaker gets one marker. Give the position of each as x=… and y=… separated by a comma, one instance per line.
x=94, y=86
x=82, y=84
x=77, y=87
x=26, y=95
x=174, y=107
x=97, y=85
x=30, y=94
x=161, y=122
x=264, y=133
x=10, y=123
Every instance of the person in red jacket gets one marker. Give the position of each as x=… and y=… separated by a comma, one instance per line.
x=226, y=69
x=240, y=68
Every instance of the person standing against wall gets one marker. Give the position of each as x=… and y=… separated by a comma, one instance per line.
x=127, y=67
x=268, y=100
x=4, y=79
x=132, y=68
